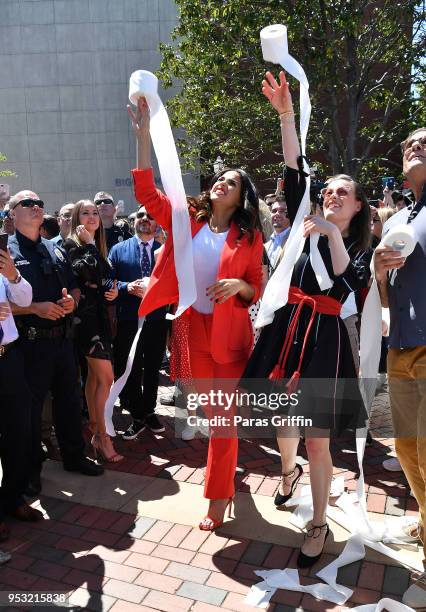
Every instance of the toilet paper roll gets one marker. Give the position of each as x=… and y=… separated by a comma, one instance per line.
x=401, y=238
x=143, y=83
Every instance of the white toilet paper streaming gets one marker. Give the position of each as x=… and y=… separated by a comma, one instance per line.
x=355, y=520
x=144, y=83
x=401, y=237
x=275, y=49
x=384, y=604
x=353, y=551
x=118, y=385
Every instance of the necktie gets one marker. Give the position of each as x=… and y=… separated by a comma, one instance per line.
x=418, y=206
x=145, y=262
x=1, y=333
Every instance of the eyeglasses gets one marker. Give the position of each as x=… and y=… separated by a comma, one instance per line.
x=142, y=215
x=341, y=192
x=107, y=201
x=30, y=203
x=408, y=144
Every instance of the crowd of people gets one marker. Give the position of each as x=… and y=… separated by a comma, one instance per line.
x=74, y=286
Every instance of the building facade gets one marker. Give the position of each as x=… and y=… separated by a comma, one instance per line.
x=64, y=71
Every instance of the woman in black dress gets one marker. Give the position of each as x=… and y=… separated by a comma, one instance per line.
x=315, y=345
x=86, y=250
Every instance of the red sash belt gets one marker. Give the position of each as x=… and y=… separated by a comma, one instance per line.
x=323, y=304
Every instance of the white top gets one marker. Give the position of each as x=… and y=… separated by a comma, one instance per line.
x=207, y=249
x=20, y=294
x=349, y=306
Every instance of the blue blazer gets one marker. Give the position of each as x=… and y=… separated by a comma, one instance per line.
x=125, y=259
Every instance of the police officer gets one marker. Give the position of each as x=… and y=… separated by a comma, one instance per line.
x=107, y=211
x=45, y=337
x=15, y=402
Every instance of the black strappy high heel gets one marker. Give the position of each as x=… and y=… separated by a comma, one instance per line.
x=280, y=499
x=306, y=560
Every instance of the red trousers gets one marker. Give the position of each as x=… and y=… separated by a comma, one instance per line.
x=223, y=452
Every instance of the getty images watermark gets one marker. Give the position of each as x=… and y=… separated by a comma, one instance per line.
x=221, y=401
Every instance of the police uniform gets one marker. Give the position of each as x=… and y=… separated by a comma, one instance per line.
x=114, y=235
x=48, y=353
x=15, y=403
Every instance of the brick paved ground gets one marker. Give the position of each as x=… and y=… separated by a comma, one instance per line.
x=113, y=561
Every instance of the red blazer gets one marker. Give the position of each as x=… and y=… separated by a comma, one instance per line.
x=232, y=336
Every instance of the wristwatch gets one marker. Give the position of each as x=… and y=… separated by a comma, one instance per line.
x=17, y=278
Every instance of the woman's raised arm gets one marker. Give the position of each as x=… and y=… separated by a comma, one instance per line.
x=140, y=124
x=280, y=98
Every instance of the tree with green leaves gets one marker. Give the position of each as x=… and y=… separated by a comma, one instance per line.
x=362, y=58
x=5, y=172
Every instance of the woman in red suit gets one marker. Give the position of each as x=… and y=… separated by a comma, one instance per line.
x=227, y=250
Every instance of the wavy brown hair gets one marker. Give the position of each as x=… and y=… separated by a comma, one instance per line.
x=359, y=227
x=246, y=216
x=100, y=239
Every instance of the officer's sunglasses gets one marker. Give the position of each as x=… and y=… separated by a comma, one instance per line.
x=141, y=215
x=99, y=202
x=30, y=203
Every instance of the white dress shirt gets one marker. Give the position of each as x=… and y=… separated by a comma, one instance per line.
x=20, y=294
x=274, y=245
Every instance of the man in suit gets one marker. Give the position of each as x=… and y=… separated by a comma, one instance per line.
x=274, y=248
x=132, y=262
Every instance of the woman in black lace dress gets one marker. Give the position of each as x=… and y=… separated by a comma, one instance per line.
x=86, y=250
x=315, y=345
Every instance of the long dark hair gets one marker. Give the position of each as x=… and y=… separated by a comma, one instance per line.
x=359, y=227
x=100, y=239
x=246, y=216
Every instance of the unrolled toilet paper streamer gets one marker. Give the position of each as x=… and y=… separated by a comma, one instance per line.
x=275, y=49
x=144, y=83
x=362, y=533
x=384, y=604
x=402, y=238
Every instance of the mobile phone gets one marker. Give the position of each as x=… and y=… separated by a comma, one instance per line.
x=389, y=182
x=3, y=241
x=4, y=192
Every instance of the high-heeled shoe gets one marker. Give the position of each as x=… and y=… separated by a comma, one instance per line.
x=304, y=560
x=215, y=524
x=281, y=499
x=99, y=449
